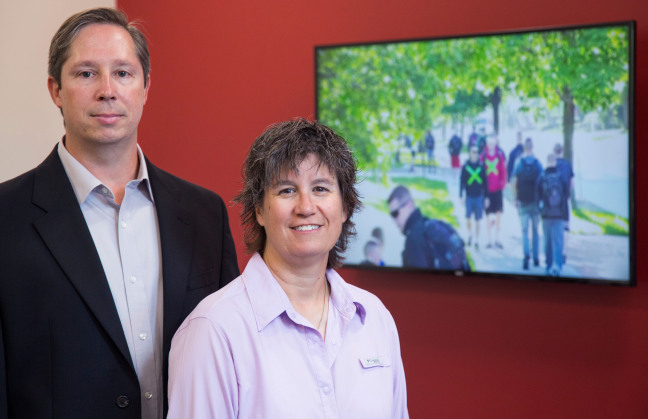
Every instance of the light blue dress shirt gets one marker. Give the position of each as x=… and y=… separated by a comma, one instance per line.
x=127, y=239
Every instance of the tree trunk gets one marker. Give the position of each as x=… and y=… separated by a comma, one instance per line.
x=625, y=107
x=496, y=98
x=568, y=130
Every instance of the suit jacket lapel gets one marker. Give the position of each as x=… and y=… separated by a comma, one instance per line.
x=177, y=237
x=66, y=234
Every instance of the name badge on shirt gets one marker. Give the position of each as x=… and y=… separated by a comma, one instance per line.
x=375, y=361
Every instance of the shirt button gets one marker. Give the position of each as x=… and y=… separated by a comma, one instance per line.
x=142, y=336
x=291, y=315
x=123, y=224
x=132, y=279
x=326, y=389
x=148, y=395
x=349, y=308
x=104, y=190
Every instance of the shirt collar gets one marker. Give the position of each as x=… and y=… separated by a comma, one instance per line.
x=347, y=303
x=269, y=300
x=413, y=219
x=83, y=182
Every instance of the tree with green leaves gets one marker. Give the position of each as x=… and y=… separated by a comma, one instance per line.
x=375, y=94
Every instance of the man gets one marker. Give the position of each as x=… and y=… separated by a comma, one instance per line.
x=473, y=181
x=524, y=178
x=495, y=163
x=429, y=146
x=482, y=139
x=454, y=148
x=372, y=252
x=550, y=193
x=564, y=169
x=102, y=254
x=429, y=244
x=516, y=152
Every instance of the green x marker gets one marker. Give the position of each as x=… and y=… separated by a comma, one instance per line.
x=474, y=175
x=491, y=166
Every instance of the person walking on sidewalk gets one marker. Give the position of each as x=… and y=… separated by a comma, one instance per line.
x=495, y=162
x=523, y=179
x=550, y=194
x=473, y=181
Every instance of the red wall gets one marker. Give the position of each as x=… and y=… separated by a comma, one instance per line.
x=472, y=347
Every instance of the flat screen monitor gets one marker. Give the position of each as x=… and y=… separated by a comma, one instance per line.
x=504, y=154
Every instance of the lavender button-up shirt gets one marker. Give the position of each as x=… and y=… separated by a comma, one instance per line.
x=245, y=352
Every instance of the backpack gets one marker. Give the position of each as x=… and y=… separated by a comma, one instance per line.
x=527, y=175
x=553, y=196
x=446, y=246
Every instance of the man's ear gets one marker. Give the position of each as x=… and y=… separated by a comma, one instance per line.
x=55, y=91
x=148, y=85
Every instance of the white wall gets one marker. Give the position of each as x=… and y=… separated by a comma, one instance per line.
x=30, y=124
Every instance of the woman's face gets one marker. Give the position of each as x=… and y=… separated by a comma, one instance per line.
x=302, y=215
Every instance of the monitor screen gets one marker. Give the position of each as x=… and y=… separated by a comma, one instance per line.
x=507, y=154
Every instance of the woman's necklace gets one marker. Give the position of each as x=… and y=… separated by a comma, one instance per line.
x=324, y=305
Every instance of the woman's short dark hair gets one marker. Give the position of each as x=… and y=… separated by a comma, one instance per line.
x=282, y=147
x=60, y=46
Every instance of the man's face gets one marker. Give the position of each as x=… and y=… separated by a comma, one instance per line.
x=400, y=212
x=474, y=154
x=102, y=92
x=491, y=143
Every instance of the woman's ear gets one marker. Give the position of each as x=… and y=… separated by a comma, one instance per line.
x=259, y=216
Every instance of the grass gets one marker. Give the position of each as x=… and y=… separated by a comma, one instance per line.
x=611, y=224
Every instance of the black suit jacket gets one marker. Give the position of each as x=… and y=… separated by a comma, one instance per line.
x=63, y=353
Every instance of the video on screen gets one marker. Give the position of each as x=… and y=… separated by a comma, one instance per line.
x=505, y=154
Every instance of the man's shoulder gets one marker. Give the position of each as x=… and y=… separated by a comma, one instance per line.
x=531, y=160
x=563, y=166
x=26, y=197
x=176, y=185
x=51, y=170
x=17, y=184
x=438, y=227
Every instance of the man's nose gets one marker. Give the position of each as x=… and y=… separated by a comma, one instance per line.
x=106, y=89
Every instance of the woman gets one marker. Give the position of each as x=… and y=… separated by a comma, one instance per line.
x=289, y=338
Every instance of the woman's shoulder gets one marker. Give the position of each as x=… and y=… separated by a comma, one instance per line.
x=367, y=299
x=222, y=304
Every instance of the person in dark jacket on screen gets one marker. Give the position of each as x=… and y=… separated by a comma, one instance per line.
x=429, y=243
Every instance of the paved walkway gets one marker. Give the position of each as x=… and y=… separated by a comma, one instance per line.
x=589, y=253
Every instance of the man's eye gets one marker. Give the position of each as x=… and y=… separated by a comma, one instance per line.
x=86, y=74
x=122, y=73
